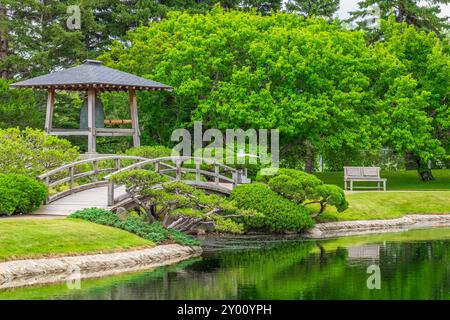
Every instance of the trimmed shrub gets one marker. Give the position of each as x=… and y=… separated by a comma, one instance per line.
x=280, y=214
x=20, y=194
x=32, y=152
x=328, y=194
x=154, y=232
x=306, y=189
x=149, y=152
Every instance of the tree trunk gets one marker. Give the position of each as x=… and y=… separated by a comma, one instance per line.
x=309, y=157
x=424, y=170
x=4, y=74
x=410, y=161
x=400, y=16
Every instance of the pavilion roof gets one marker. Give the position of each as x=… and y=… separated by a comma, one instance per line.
x=90, y=74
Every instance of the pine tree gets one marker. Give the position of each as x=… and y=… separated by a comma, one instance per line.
x=309, y=8
x=422, y=14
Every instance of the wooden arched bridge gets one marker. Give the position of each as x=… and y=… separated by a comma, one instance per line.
x=87, y=183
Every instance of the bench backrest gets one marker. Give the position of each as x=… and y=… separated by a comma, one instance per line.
x=361, y=172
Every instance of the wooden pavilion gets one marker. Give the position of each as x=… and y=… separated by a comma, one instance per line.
x=92, y=77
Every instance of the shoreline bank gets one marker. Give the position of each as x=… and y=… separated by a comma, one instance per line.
x=20, y=273
x=360, y=227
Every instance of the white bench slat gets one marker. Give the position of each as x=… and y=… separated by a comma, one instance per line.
x=369, y=174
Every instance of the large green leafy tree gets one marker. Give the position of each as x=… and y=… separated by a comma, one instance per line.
x=422, y=14
x=415, y=95
x=322, y=86
x=309, y=8
x=304, y=76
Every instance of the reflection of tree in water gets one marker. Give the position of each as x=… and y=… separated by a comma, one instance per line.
x=291, y=270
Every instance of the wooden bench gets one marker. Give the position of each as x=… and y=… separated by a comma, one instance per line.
x=369, y=174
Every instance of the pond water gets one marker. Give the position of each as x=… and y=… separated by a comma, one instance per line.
x=412, y=265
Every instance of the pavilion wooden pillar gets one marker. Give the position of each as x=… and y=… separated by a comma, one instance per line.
x=50, y=110
x=91, y=121
x=134, y=118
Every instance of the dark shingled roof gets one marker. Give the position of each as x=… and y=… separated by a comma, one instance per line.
x=91, y=74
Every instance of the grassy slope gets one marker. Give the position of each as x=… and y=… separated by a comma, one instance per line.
x=33, y=238
x=401, y=180
x=388, y=205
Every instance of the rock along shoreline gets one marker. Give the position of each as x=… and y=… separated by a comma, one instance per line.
x=21, y=273
x=360, y=227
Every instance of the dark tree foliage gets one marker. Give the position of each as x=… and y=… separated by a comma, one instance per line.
x=422, y=14
x=35, y=39
x=309, y=8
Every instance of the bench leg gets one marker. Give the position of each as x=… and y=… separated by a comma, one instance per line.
x=351, y=185
x=384, y=185
x=378, y=185
x=345, y=185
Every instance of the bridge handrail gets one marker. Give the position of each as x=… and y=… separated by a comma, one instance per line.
x=178, y=160
x=72, y=175
x=76, y=163
x=172, y=159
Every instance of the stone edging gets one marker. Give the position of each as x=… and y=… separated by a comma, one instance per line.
x=30, y=272
x=347, y=228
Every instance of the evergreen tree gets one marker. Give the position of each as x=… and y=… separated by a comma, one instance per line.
x=422, y=14
x=309, y=8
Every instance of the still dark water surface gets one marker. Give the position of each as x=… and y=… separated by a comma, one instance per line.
x=412, y=264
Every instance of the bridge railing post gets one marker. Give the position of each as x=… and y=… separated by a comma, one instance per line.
x=197, y=170
x=117, y=160
x=157, y=167
x=110, y=193
x=95, y=169
x=236, y=177
x=216, y=174
x=178, y=170
x=71, y=175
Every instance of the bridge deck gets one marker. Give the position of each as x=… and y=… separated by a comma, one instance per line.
x=96, y=197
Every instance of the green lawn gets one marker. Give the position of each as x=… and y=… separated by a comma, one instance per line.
x=400, y=180
x=34, y=238
x=388, y=205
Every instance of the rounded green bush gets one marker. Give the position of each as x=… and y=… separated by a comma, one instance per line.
x=305, y=189
x=280, y=214
x=150, y=152
x=20, y=194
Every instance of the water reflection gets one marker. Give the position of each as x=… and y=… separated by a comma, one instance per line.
x=413, y=265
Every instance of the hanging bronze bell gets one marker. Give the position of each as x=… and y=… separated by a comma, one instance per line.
x=99, y=114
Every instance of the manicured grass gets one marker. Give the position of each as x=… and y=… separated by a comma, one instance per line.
x=405, y=236
x=34, y=238
x=388, y=205
x=400, y=180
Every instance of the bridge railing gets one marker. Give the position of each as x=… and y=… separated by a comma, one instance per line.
x=172, y=167
x=84, y=174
